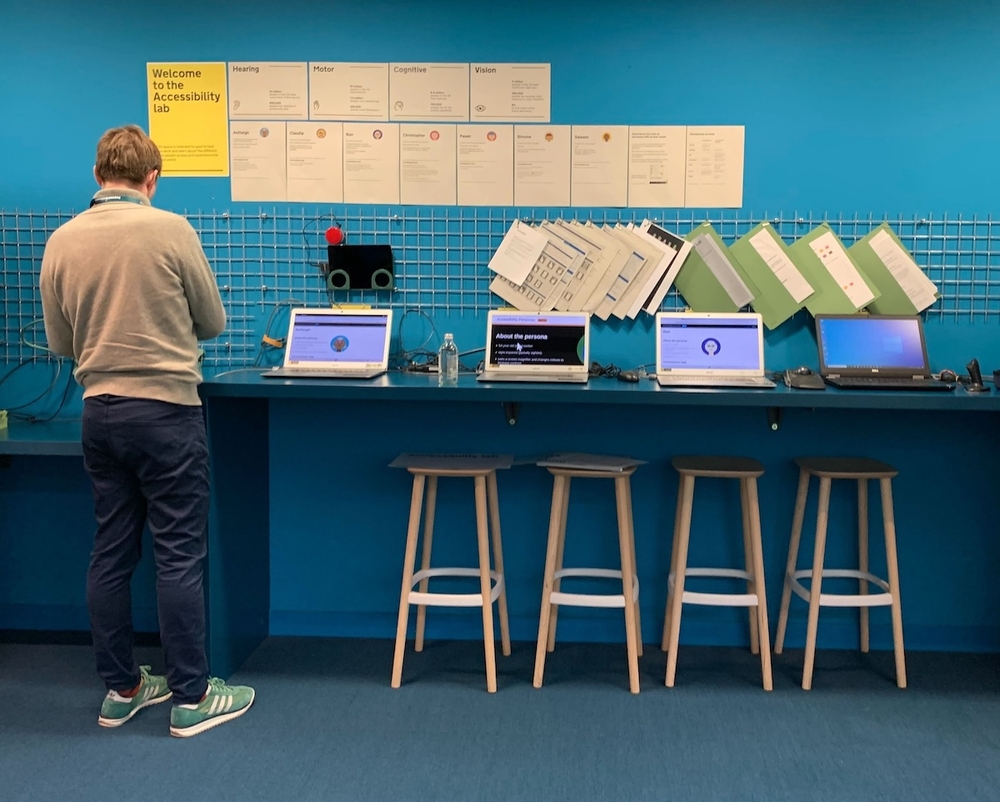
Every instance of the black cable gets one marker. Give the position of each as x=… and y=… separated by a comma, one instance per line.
x=609, y=371
x=305, y=228
x=267, y=326
x=70, y=384
x=44, y=392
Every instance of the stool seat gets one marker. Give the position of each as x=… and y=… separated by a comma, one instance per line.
x=452, y=464
x=426, y=470
x=746, y=471
x=846, y=468
x=585, y=473
x=718, y=467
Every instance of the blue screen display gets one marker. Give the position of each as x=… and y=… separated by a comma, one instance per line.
x=871, y=343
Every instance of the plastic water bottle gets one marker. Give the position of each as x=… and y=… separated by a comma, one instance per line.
x=448, y=363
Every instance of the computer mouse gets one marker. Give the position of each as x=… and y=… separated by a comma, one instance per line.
x=628, y=376
x=802, y=370
x=948, y=376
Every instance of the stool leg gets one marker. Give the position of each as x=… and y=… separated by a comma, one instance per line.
x=635, y=565
x=748, y=562
x=555, y=521
x=560, y=546
x=863, y=556
x=678, y=569
x=628, y=579
x=493, y=500
x=793, y=558
x=756, y=542
x=483, y=540
x=410, y=555
x=889, y=524
x=425, y=562
x=816, y=586
x=665, y=642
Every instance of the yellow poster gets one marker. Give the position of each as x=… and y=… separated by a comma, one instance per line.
x=187, y=118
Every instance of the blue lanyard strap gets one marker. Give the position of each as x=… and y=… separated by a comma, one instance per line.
x=112, y=198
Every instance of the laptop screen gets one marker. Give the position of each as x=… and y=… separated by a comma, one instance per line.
x=692, y=343
x=521, y=339
x=867, y=344
x=337, y=338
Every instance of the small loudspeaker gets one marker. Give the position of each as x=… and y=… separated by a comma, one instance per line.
x=360, y=267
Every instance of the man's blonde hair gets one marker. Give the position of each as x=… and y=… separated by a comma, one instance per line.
x=127, y=154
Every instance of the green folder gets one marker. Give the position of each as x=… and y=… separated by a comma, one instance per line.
x=831, y=296
x=698, y=284
x=774, y=302
x=894, y=300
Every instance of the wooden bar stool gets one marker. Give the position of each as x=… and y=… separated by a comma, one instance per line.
x=426, y=470
x=553, y=595
x=826, y=469
x=747, y=471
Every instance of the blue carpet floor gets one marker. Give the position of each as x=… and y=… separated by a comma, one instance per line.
x=326, y=726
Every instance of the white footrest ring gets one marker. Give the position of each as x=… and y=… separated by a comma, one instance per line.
x=842, y=599
x=717, y=599
x=592, y=599
x=432, y=599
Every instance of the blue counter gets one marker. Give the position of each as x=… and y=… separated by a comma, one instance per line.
x=308, y=522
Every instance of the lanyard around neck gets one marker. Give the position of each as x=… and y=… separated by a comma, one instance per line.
x=114, y=198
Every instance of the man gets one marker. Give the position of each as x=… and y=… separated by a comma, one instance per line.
x=127, y=293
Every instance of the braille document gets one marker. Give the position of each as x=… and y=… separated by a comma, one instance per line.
x=539, y=290
x=676, y=252
x=586, y=285
x=518, y=252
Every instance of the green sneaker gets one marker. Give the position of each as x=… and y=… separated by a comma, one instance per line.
x=222, y=703
x=117, y=709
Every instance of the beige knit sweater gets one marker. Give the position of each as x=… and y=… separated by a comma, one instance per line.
x=127, y=292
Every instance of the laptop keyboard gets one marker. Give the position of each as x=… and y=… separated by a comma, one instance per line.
x=876, y=383
x=715, y=381
x=531, y=377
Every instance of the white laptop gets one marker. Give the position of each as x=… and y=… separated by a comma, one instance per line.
x=710, y=349
x=336, y=344
x=537, y=347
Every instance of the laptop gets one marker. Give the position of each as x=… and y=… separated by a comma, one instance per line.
x=537, y=347
x=710, y=349
x=874, y=352
x=335, y=344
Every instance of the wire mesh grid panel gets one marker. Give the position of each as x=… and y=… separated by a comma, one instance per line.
x=268, y=260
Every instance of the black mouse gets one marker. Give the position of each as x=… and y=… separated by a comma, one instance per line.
x=628, y=376
x=803, y=371
x=948, y=376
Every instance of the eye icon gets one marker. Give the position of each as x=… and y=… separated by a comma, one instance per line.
x=480, y=107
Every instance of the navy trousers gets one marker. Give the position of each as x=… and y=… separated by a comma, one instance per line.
x=148, y=463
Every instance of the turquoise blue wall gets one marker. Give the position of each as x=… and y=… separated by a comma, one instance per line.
x=849, y=108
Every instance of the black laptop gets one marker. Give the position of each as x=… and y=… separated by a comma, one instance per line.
x=875, y=352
